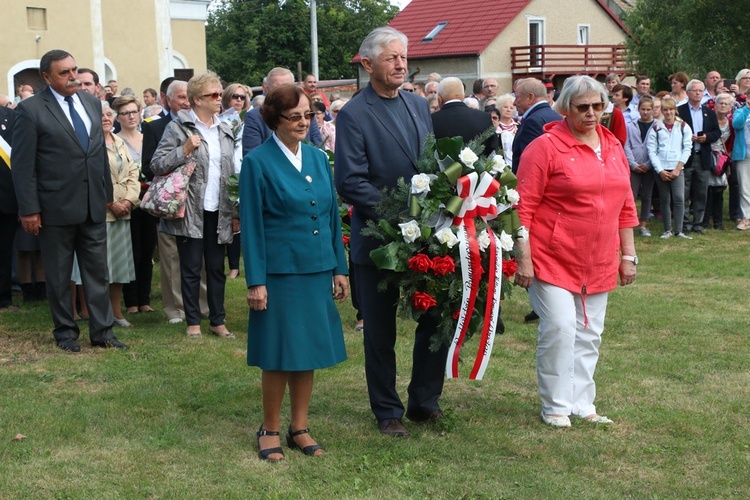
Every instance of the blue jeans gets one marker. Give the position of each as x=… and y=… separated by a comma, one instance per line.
x=672, y=191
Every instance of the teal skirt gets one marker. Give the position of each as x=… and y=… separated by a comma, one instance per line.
x=301, y=328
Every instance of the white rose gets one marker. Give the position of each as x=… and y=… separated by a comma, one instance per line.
x=446, y=236
x=506, y=241
x=468, y=157
x=410, y=231
x=512, y=196
x=499, y=165
x=484, y=240
x=420, y=183
x=522, y=233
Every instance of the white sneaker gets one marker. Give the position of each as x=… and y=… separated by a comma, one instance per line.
x=683, y=236
x=174, y=321
x=598, y=419
x=666, y=235
x=643, y=231
x=122, y=323
x=562, y=421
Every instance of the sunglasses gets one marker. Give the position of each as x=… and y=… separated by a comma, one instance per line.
x=583, y=108
x=296, y=118
x=241, y=97
x=213, y=95
x=408, y=90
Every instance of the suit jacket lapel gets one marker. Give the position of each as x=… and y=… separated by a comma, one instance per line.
x=92, y=112
x=381, y=113
x=54, y=108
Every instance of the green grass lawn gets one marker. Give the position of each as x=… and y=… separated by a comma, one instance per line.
x=176, y=418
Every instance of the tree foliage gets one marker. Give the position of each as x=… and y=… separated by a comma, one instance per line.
x=694, y=36
x=246, y=38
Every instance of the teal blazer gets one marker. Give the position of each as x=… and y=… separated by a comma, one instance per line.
x=290, y=220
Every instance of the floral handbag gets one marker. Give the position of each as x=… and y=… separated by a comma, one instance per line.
x=166, y=196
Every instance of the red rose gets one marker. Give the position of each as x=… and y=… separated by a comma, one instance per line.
x=420, y=263
x=509, y=267
x=351, y=209
x=443, y=265
x=423, y=301
x=456, y=313
x=345, y=238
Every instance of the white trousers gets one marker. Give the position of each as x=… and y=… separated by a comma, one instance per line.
x=566, y=353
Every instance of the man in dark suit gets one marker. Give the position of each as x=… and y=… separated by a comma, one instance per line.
x=63, y=184
x=256, y=131
x=380, y=134
x=531, y=103
x=8, y=207
x=457, y=119
x=535, y=112
x=705, y=127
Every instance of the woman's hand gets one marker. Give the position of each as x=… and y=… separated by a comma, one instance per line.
x=734, y=88
x=665, y=175
x=235, y=226
x=641, y=169
x=524, y=272
x=191, y=144
x=340, y=287
x=627, y=272
x=257, y=297
x=119, y=209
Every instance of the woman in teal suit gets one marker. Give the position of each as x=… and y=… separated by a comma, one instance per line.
x=293, y=254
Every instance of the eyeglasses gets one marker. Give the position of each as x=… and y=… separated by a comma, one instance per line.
x=583, y=108
x=129, y=113
x=213, y=95
x=241, y=97
x=408, y=90
x=296, y=118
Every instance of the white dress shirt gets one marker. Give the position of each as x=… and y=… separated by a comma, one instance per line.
x=295, y=159
x=210, y=134
x=78, y=105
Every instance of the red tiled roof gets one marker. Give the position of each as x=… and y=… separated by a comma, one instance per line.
x=472, y=25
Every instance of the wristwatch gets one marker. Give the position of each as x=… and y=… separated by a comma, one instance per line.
x=631, y=258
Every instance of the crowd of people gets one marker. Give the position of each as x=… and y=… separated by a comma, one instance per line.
x=83, y=155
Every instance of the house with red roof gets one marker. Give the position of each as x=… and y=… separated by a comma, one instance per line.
x=511, y=39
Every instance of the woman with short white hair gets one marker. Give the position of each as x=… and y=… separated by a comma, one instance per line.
x=577, y=205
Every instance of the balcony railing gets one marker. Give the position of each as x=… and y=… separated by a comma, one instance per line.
x=548, y=61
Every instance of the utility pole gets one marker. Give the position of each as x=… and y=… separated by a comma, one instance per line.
x=314, y=37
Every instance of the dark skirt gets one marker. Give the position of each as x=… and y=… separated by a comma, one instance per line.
x=301, y=328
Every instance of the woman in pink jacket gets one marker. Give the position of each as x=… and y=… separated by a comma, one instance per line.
x=577, y=205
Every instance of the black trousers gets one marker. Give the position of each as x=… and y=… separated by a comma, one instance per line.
x=89, y=241
x=8, y=224
x=234, y=250
x=714, y=206
x=143, y=232
x=193, y=253
x=428, y=369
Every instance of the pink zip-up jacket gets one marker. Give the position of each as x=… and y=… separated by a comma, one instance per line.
x=574, y=205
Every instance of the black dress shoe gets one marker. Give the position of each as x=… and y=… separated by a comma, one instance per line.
x=393, y=427
x=698, y=229
x=532, y=316
x=424, y=416
x=69, y=345
x=109, y=343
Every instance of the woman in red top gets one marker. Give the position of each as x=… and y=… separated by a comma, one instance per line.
x=577, y=205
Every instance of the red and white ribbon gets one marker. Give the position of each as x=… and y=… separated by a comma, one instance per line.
x=478, y=194
x=479, y=201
